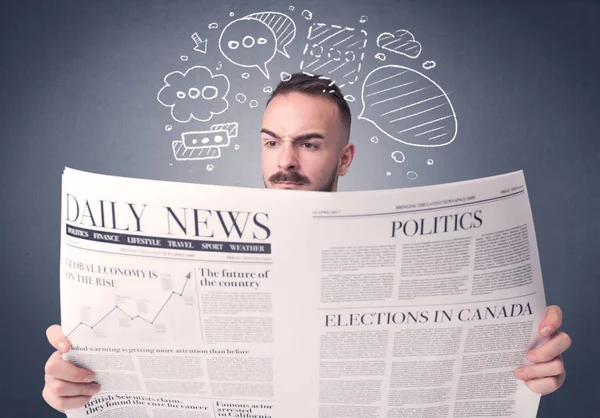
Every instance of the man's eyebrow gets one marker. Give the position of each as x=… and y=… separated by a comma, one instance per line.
x=303, y=137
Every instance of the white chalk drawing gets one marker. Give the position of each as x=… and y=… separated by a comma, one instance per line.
x=263, y=35
x=253, y=103
x=231, y=14
x=213, y=25
x=428, y=65
x=219, y=65
x=363, y=19
x=201, y=45
x=282, y=26
x=236, y=147
x=380, y=56
x=196, y=94
x=307, y=14
x=408, y=106
x=412, y=175
x=350, y=98
x=334, y=50
x=388, y=174
x=210, y=167
x=168, y=128
x=430, y=162
x=374, y=140
x=240, y=98
x=184, y=58
x=400, y=42
x=268, y=89
x=284, y=76
x=292, y=8
x=245, y=76
x=204, y=145
x=398, y=156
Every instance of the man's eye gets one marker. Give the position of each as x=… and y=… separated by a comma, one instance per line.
x=270, y=143
x=310, y=146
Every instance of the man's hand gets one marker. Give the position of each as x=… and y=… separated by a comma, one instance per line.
x=547, y=374
x=67, y=386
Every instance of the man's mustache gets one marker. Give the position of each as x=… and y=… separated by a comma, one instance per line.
x=288, y=176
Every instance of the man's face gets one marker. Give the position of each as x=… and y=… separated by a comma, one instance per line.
x=302, y=143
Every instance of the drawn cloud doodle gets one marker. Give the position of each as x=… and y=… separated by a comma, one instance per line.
x=400, y=42
x=196, y=94
x=203, y=145
x=253, y=40
x=408, y=106
x=334, y=50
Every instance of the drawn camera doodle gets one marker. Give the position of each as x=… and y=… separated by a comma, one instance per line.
x=204, y=145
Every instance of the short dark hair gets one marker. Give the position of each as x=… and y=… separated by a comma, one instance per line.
x=316, y=85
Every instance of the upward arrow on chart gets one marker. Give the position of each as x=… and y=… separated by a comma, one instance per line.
x=201, y=45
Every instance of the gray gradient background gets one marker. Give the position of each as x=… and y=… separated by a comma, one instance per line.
x=78, y=83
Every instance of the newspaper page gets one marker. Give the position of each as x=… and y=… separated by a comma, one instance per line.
x=203, y=301
x=424, y=301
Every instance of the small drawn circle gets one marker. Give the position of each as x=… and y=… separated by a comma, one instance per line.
x=206, y=92
x=236, y=147
x=268, y=89
x=194, y=141
x=213, y=25
x=388, y=174
x=412, y=175
x=430, y=162
x=210, y=167
x=248, y=41
x=292, y=8
x=363, y=19
x=307, y=14
x=349, y=98
x=231, y=14
x=184, y=58
x=180, y=95
x=219, y=65
x=285, y=76
x=380, y=56
x=233, y=44
x=205, y=140
x=374, y=140
x=168, y=128
x=218, y=138
x=261, y=41
x=240, y=97
x=398, y=156
x=194, y=93
x=428, y=65
x=253, y=103
x=246, y=76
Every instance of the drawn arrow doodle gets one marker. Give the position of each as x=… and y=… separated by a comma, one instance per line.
x=201, y=45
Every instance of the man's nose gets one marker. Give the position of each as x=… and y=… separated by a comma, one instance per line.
x=288, y=159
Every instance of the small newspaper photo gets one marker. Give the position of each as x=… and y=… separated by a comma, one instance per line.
x=201, y=301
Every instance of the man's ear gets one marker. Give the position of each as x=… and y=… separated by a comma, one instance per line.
x=346, y=157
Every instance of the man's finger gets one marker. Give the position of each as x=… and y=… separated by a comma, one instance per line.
x=64, y=370
x=57, y=339
x=60, y=404
x=546, y=385
x=63, y=388
x=536, y=371
x=554, y=347
x=551, y=322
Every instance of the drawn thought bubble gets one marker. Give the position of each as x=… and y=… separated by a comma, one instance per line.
x=400, y=42
x=408, y=106
x=196, y=94
x=283, y=28
x=248, y=43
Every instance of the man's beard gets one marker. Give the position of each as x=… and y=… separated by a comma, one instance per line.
x=294, y=177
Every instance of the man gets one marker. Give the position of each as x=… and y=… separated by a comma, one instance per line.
x=305, y=146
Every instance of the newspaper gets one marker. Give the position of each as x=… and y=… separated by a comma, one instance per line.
x=199, y=301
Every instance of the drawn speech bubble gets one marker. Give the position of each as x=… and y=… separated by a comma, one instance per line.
x=283, y=28
x=248, y=43
x=408, y=106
